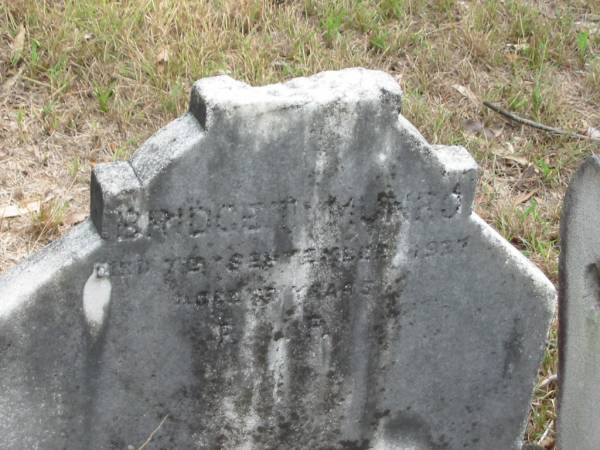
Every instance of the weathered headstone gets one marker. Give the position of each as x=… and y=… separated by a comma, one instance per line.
x=579, y=312
x=290, y=266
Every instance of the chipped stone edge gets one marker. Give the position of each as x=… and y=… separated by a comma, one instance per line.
x=447, y=158
x=19, y=284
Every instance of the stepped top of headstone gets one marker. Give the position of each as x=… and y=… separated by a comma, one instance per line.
x=288, y=266
x=220, y=103
x=349, y=86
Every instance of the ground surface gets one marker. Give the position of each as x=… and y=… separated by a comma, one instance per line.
x=86, y=81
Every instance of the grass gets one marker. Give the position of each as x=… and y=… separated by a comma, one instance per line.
x=86, y=81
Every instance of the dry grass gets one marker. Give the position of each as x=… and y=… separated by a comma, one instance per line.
x=85, y=81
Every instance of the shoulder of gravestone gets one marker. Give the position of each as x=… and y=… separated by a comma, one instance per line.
x=451, y=167
x=166, y=145
x=445, y=159
x=19, y=284
x=457, y=168
x=522, y=268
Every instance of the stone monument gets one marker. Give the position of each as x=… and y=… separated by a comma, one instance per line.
x=579, y=312
x=289, y=266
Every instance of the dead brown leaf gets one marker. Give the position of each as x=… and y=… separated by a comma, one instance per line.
x=75, y=218
x=506, y=153
x=548, y=443
x=467, y=93
x=163, y=56
x=528, y=177
x=473, y=126
x=18, y=45
x=523, y=197
x=520, y=160
x=9, y=83
x=519, y=47
x=593, y=133
x=492, y=132
x=10, y=211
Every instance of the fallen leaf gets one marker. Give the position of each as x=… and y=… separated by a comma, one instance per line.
x=496, y=130
x=278, y=64
x=548, y=443
x=75, y=218
x=529, y=173
x=6, y=212
x=472, y=126
x=552, y=378
x=520, y=160
x=590, y=26
x=492, y=132
x=523, y=197
x=18, y=44
x=518, y=47
x=464, y=5
x=9, y=211
x=593, y=133
x=467, y=93
x=10, y=82
x=163, y=56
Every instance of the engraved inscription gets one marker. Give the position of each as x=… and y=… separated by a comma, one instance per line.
x=299, y=279
x=354, y=214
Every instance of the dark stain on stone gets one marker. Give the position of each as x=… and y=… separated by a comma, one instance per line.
x=355, y=445
x=407, y=427
x=513, y=348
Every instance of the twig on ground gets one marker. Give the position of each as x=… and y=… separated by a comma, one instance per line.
x=546, y=381
x=145, y=444
x=540, y=126
x=38, y=82
x=546, y=433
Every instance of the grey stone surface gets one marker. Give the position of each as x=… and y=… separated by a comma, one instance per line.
x=291, y=266
x=579, y=312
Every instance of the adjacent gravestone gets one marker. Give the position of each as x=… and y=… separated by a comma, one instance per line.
x=290, y=266
x=579, y=312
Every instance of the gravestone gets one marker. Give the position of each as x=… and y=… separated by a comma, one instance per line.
x=579, y=312
x=289, y=266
